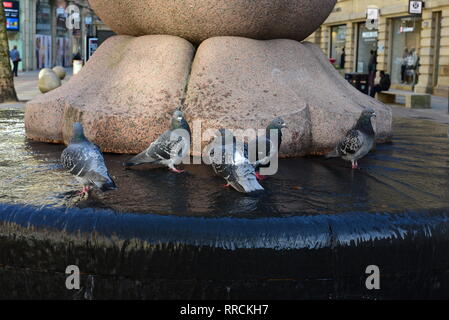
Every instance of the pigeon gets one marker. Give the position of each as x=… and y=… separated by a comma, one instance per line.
x=264, y=157
x=358, y=141
x=229, y=162
x=85, y=161
x=170, y=148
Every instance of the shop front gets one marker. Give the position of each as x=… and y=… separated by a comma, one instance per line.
x=405, y=52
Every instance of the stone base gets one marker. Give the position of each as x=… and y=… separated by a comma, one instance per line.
x=126, y=92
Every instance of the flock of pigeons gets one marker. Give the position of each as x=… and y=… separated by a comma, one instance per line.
x=85, y=161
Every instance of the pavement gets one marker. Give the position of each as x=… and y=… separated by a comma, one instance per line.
x=438, y=112
x=26, y=88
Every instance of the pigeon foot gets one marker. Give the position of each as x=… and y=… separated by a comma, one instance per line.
x=84, y=191
x=260, y=177
x=355, y=166
x=176, y=170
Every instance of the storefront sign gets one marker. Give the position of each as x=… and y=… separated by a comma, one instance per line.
x=406, y=29
x=372, y=14
x=415, y=7
x=370, y=34
x=12, y=14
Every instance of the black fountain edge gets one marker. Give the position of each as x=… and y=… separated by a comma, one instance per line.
x=316, y=256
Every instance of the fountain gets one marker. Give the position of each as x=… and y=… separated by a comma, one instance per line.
x=230, y=64
x=311, y=234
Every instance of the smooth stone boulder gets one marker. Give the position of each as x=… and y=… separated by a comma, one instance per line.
x=127, y=91
x=60, y=72
x=124, y=96
x=48, y=80
x=240, y=83
x=198, y=20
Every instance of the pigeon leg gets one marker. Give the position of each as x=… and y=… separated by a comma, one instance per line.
x=173, y=169
x=355, y=165
x=84, y=191
x=259, y=176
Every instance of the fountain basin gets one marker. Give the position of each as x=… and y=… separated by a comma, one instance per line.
x=310, y=235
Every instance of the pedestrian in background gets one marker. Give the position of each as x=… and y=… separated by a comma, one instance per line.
x=384, y=84
x=372, y=68
x=342, y=58
x=14, y=55
x=405, y=57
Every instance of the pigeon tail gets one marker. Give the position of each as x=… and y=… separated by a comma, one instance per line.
x=333, y=154
x=139, y=159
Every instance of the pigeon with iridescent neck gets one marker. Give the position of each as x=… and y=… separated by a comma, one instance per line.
x=358, y=142
x=85, y=161
x=229, y=161
x=267, y=146
x=170, y=148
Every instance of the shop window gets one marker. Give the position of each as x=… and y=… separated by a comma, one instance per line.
x=338, y=43
x=43, y=34
x=405, y=50
x=43, y=17
x=366, y=48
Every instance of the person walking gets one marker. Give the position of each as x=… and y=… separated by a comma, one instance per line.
x=384, y=84
x=14, y=54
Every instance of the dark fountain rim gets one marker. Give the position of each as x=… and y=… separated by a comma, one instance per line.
x=229, y=233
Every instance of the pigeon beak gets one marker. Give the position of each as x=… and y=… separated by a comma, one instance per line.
x=284, y=126
x=374, y=115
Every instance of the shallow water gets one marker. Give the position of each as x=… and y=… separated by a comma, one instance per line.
x=412, y=173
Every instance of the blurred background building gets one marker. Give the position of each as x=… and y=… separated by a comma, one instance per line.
x=410, y=42
x=39, y=29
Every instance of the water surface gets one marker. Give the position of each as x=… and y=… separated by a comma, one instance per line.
x=411, y=173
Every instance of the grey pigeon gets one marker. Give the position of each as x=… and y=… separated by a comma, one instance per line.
x=230, y=162
x=170, y=148
x=264, y=157
x=358, y=142
x=85, y=161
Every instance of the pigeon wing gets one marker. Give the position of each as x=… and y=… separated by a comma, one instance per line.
x=352, y=143
x=85, y=161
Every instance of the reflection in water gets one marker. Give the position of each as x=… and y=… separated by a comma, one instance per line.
x=410, y=174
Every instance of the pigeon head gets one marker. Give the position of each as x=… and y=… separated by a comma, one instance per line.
x=277, y=123
x=364, y=122
x=78, y=132
x=368, y=113
x=178, y=121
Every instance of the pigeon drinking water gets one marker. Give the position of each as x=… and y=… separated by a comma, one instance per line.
x=264, y=157
x=230, y=162
x=358, y=142
x=85, y=161
x=170, y=148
